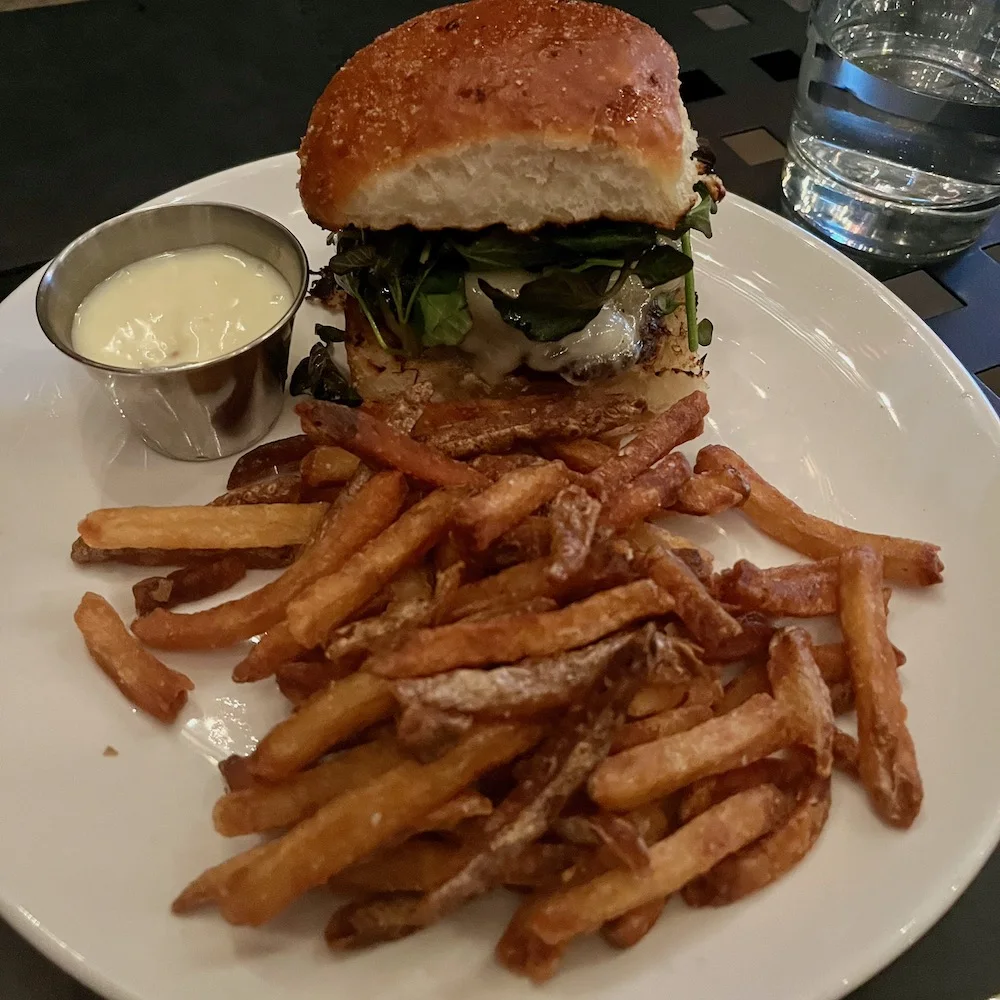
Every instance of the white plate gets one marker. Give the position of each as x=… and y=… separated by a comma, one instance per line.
x=827, y=383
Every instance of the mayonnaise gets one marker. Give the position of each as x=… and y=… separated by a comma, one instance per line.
x=185, y=305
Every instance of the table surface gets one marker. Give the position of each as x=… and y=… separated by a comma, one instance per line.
x=107, y=103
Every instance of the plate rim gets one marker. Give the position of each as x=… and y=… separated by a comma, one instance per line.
x=861, y=965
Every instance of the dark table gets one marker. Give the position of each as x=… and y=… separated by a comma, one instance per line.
x=106, y=103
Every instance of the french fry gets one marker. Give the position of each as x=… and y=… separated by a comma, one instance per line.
x=661, y=435
x=261, y=807
x=831, y=659
x=694, y=849
x=758, y=865
x=529, y=540
x=285, y=488
x=254, y=558
x=327, y=464
x=401, y=417
x=460, y=411
x=574, y=515
x=342, y=533
x=268, y=459
x=349, y=644
x=645, y=536
x=357, y=823
x=653, y=770
x=299, y=680
x=524, y=953
x=785, y=773
x=846, y=754
x=521, y=691
x=654, y=727
x=800, y=590
x=448, y=579
x=275, y=647
x=632, y=926
x=507, y=502
x=649, y=493
x=656, y=698
x=799, y=687
x=423, y=865
x=189, y=583
x=707, y=494
x=464, y=806
x=755, y=635
x=235, y=773
x=623, y=839
x=511, y=637
x=648, y=822
x=413, y=584
x=906, y=561
x=207, y=887
x=520, y=582
x=341, y=710
x=580, y=454
x=427, y=733
x=252, y=526
x=332, y=599
x=564, y=417
x=554, y=772
x=744, y=686
x=143, y=679
x=521, y=950
x=374, y=441
x=495, y=467
x=706, y=619
x=887, y=758
x=414, y=866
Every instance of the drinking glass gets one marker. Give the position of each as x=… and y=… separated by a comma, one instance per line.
x=894, y=145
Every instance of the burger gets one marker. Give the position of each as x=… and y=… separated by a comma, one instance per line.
x=510, y=187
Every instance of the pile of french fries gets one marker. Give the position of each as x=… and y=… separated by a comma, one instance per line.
x=505, y=668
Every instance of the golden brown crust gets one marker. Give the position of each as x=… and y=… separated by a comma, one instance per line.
x=563, y=74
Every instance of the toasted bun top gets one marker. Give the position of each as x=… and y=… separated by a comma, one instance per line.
x=517, y=112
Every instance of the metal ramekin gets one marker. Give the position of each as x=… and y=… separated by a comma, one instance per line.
x=199, y=410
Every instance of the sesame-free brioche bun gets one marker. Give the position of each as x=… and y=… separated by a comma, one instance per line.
x=518, y=112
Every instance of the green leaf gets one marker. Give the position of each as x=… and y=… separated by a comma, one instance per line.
x=665, y=303
x=355, y=259
x=603, y=238
x=318, y=375
x=330, y=334
x=442, y=308
x=690, y=298
x=705, y=331
x=556, y=304
x=662, y=264
x=699, y=217
x=499, y=249
x=351, y=283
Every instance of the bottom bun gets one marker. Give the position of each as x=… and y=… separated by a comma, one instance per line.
x=671, y=373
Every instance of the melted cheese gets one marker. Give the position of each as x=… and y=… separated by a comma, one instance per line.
x=612, y=338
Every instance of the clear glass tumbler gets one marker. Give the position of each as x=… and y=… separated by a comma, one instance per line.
x=894, y=145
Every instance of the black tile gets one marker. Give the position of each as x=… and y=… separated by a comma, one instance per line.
x=991, y=376
x=697, y=86
x=993, y=249
x=782, y=65
x=924, y=294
